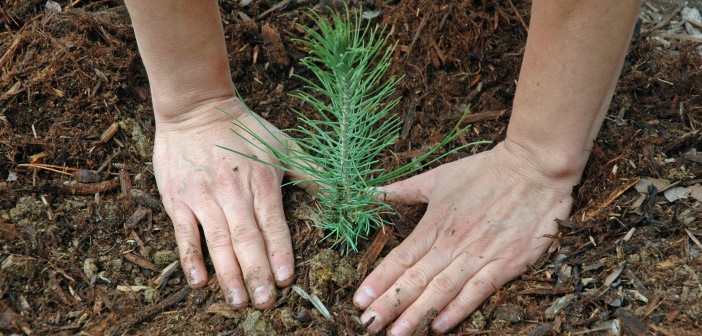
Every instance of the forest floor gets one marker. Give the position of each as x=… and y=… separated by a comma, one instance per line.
x=73, y=93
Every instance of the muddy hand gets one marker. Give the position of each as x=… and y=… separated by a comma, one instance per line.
x=237, y=201
x=487, y=218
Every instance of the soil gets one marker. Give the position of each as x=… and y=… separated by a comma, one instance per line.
x=73, y=93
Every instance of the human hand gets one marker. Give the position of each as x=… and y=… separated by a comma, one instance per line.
x=236, y=200
x=488, y=216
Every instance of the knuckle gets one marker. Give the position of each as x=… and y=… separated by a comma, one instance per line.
x=245, y=235
x=403, y=257
x=262, y=175
x=274, y=224
x=482, y=287
x=225, y=179
x=183, y=232
x=416, y=278
x=444, y=284
x=218, y=239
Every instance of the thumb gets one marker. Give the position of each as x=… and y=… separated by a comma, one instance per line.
x=310, y=187
x=416, y=189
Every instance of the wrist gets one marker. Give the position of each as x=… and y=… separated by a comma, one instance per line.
x=195, y=113
x=552, y=161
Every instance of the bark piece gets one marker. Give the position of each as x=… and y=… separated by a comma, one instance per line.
x=559, y=305
x=630, y=322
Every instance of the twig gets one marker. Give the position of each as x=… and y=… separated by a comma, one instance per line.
x=141, y=262
x=438, y=51
x=419, y=31
x=693, y=274
x=694, y=239
x=275, y=7
x=374, y=250
x=140, y=316
x=519, y=16
x=667, y=18
x=72, y=188
x=484, y=115
x=314, y=300
x=683, y=37
x=166, y=273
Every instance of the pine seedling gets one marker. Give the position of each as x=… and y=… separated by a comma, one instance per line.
x=338, y=151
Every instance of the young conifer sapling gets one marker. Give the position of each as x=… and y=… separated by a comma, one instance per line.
x=338, y=151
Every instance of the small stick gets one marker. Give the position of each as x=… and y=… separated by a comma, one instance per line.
x=471, y=118
x=88, y=188
x=694, y=239
x=519, y=16
x=48, y=167
x=275, y=7
x=419, y=31
x=166, y=273
x=140, y=316
x=438, y=51
x=141, y=262
x=374, y=250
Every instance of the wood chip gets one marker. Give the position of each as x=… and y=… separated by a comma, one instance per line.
x=559, y=305
x=696, y=191
x=141, y=262
x=223, y=309
x=630, y=323
x=125, y=182
x=136, y=217
x=123, y=288
x=87, y=188
x=165, y=274
x=694, y=239
x=381, y=238
x=629, y=234
x=668, y=263
x=614, y=275
x=109, y=132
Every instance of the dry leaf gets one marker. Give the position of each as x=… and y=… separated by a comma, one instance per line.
x=644, y=182
x=674, y=194
x=696, y=191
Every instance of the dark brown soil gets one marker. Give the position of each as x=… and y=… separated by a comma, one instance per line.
x=73, y=93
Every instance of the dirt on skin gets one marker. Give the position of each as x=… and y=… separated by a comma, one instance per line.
x=73, y=93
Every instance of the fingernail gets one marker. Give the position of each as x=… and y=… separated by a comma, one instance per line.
x=400, y=328
x=441, y=323
x=196, y=278
x=364, y=297
x=375, y=326
x=262, y=295
x=282, y=273
x=237, y=297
